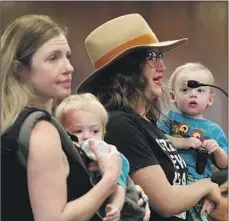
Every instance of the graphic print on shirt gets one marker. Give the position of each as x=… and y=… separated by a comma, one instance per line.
x=197, y=133
x=184, y=130
x=179, y=164
x=179, y=130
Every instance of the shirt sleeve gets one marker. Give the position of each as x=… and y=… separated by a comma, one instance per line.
x=124, y=171
x=222, y=140
x=165, y=124
x=124, y=132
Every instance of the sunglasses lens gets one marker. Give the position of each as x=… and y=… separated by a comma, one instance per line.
x=160, y=55
x=154, y=58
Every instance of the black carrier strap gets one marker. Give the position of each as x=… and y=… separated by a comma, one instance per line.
x=12, y=132
x=24, y=133
x=29, y=119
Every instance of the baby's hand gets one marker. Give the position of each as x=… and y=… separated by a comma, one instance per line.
x=112, y=213
x=192, y=142
x=210, y=146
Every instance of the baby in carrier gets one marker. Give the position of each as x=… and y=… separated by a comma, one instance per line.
x=85, y=119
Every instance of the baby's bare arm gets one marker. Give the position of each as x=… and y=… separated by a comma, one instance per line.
x=117, y=198
x=113, y=209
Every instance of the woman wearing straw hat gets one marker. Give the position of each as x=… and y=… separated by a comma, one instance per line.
x=128, y=63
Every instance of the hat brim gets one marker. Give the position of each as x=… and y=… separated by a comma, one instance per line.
x=165, y=46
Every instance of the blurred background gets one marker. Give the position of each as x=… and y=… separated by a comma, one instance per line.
x=204, y=23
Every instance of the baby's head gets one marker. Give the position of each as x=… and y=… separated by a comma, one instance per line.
x=191, y=102
x=83, y=115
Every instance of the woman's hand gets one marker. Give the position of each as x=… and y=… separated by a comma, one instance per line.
x=93, y=166
x=147, y=212
x=143, y=201
x=109, y=163
x=207, y=207
x=215, y=195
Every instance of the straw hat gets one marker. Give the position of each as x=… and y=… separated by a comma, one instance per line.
x=119, y=37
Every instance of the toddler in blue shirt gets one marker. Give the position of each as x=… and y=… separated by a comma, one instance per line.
x=188, y=130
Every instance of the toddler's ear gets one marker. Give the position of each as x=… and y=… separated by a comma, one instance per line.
x=172, y=96
x=211, y=99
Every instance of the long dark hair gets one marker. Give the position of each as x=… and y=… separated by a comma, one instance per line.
x=124, y=86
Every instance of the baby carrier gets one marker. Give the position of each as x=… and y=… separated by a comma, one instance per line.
x=18, y=151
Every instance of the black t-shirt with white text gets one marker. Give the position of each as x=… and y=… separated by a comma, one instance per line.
x=143, y=144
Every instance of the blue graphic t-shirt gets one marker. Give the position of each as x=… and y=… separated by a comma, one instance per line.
x=178, y=125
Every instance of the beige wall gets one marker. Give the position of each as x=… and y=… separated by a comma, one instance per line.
x=204, y=23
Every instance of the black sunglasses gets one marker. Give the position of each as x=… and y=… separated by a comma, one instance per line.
x=153, y=58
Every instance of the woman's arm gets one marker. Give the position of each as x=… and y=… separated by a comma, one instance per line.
x=167, y=199
x=47, y=175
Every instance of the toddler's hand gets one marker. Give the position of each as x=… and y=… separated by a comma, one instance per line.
x=210, y=146
x=215, y=195
x=112, y=213
x=193, y=142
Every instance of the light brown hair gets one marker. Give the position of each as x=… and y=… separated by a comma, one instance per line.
x=87, y=102
x=188, y=67
x=19, y=42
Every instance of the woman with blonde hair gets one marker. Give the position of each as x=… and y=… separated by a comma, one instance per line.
x=35, y=70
